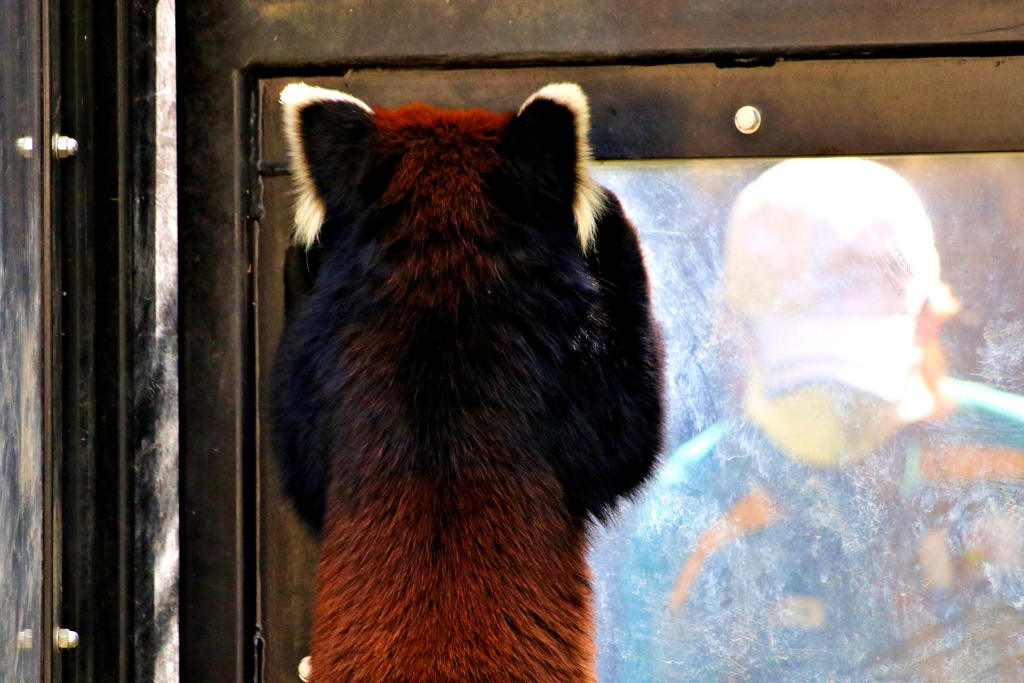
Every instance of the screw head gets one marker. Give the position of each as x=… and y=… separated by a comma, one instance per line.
x=66, y=639
x=305, y=668
x=747, y=119
x=26, y=146
x=64, y=146
x=25, y=639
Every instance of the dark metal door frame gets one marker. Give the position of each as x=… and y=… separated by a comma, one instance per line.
x=102, y=253
x=227, y=48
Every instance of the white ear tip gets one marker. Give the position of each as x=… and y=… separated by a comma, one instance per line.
x=292, y=93
x=562, y=91
x=567, y=94
x=298, y=95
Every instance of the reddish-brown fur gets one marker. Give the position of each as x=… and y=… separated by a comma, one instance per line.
x=476, y=573
x=445, y=154
x=390, y=607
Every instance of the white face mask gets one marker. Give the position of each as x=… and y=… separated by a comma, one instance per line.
x=829, y=425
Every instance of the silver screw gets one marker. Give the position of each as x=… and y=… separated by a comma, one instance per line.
x=25, y=639
x=64, y=147
x=66, y=639
x=747, y=119
x=305, y=668
x=25, y=146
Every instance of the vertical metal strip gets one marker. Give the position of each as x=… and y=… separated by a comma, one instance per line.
x=254, y=214
x=49, y=361
x=125, y=431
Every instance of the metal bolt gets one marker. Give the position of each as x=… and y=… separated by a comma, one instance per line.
x=64, y=147
x=66, y=639
x=747, y=119
x=25, y=639
x=26, y=146
x=305, y=668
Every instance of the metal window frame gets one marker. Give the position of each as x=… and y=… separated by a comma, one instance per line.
x=230, y=49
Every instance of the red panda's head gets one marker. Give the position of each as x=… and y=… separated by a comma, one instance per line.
x=473, y=302
x=418, y=173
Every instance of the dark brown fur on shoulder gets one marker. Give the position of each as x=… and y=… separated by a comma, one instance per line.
x=468, y=379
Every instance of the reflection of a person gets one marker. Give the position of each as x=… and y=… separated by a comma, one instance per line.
x=862, y=518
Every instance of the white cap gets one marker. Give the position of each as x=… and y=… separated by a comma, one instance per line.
x=831, y=262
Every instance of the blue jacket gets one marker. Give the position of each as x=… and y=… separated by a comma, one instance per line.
x=740, y=563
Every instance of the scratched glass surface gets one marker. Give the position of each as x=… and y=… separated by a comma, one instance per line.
x=898, y=555
x=20, y=420
x=157, y=656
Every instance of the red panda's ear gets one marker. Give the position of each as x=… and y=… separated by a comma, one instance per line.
x=555, y=121
x=328, y=134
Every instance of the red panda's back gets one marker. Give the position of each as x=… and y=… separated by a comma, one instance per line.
x=469, y=577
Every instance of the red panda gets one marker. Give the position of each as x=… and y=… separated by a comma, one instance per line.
x=472, y=378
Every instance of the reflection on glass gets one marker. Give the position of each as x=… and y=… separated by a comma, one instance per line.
x=20, y=433
x=840, y=496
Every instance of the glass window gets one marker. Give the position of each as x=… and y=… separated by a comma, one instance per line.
x=20, y=355
x=839, y=497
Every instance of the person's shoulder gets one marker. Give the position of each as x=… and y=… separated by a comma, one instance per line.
x=713, y=469
x=985, y=415
x=685, y=462
x=984, y=398
x=981, y=440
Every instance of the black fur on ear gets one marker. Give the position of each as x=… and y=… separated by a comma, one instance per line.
x=549, y=140
x=329, y=135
